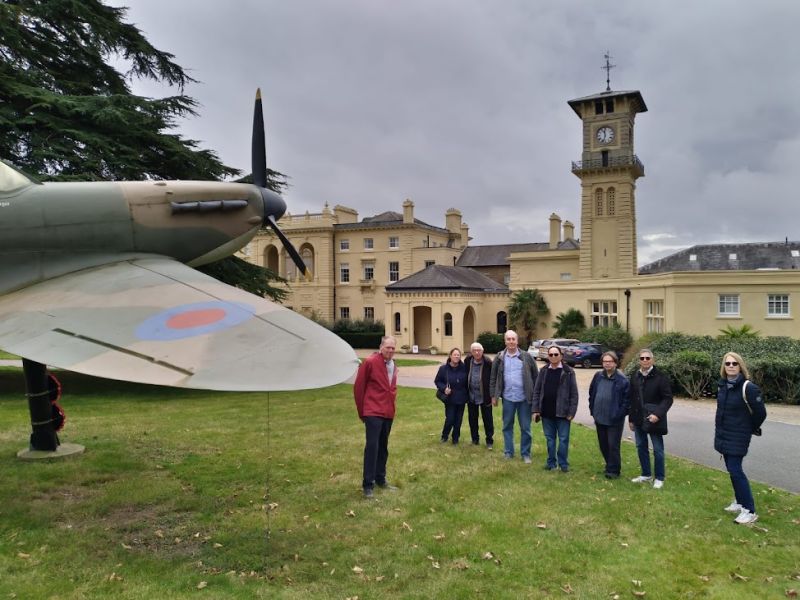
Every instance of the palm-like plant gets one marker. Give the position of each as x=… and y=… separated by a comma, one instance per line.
x=569, y=324
x=745, y=332
x=525, y=312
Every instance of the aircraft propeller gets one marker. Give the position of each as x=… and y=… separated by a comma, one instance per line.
x=274, y=205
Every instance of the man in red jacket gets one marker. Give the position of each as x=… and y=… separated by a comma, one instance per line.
x=375, y=392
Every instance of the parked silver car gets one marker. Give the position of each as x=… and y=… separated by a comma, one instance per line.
x=560, y=342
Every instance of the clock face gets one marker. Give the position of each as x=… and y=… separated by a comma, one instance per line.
x=605, y=135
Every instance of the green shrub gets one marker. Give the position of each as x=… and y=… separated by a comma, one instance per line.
x=569, y=324
x=736, y=333
x=614, y=338
x=693, y=371
x=358, y=326
x=362, y=339
x=491, y=342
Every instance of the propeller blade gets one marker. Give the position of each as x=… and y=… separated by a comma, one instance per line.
x=259, y=151
x=289, y=248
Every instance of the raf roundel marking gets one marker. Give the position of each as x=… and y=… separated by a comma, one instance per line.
x=190, y=320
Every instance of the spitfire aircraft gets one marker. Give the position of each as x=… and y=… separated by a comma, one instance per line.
x=97, y=278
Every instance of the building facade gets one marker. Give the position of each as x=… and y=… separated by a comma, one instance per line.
x=432, y=289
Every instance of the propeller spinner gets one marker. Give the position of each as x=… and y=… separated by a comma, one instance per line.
x=274, y=205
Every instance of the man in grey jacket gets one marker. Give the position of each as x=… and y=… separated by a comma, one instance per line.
x=513, y=376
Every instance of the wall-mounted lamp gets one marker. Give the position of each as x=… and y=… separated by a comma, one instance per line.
x=437, y=330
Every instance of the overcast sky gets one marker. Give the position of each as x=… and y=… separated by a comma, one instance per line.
x=463, y=103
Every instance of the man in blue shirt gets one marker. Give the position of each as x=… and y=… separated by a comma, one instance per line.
x=513, y=376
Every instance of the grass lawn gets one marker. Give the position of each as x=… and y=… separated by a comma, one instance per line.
x=186, y=494
x=415, y=362
x=5, y=355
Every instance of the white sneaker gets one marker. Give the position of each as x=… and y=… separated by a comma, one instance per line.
x=658, y=484
x=746, y=517
x=640, y=479
x=734, y=507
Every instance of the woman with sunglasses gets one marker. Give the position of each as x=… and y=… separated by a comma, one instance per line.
x=740, y=412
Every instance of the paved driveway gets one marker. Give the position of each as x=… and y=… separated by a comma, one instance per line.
x=773, y=459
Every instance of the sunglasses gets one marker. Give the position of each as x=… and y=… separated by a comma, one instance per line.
x=731, y=363
x=553, y=354
x=645, y=358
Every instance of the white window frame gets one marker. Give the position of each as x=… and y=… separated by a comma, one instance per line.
x=344, y=245
x=369, y=313
x=778, y=306
x=603, y=313
x=394, y=242
x=344, y=272
x=368, y=268
x=654, y=316
x=728, y=305
x=369, y=244
x=344, y=312
x=394, y=274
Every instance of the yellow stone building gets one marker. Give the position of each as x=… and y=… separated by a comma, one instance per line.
x=432, y=289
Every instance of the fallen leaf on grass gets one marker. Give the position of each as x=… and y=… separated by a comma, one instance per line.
x=461, y=564
x=159, y=533
x=435, y=565
x=407, y=526
x=541, y=525
x=637, y=582
x=567, y=588
x=640, y=594
x=23, y=555
x=202, y=584
x=736, y=576
x=379, y=578
x=217, y=545
x=624, y=544
x=358, y=569
x=704, y=578
x=350, y=513
x=792, y=593
x=439, y=537
x=114, y=577
x=124, y=545
x=488, y=556
x=333, y=570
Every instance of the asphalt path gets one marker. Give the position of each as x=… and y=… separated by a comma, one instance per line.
x=773, y=459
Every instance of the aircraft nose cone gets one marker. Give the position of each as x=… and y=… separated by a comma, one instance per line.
x=274, y=205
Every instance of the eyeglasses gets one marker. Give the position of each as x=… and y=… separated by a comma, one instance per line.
x=645, y=358
x=731, y=363
x=553, y=354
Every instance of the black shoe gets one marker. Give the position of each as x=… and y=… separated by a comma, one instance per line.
x=476, y=443
x=489, y=445
x=612, y=475
x=455, y=442
x=443, y=440
x=387, y=486
x=564, y=469
x=549, y=468
x=368, y=493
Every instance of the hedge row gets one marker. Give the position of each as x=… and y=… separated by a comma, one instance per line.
x=693, y=364
x=361, y=340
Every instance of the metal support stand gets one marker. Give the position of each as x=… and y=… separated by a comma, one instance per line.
x=43, y=437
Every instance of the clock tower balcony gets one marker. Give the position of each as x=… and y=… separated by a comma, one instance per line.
x=594, y=165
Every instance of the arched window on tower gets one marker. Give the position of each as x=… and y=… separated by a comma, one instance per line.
x=307, y=254
x=598, y=202
x=612, y=197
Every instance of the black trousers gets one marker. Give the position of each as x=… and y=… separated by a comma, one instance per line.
x=376, y=450
x=453, y=415
x=610, y=438
x=485, y=410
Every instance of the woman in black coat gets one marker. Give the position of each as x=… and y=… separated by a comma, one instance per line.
x=740, y=412
x=451, y=380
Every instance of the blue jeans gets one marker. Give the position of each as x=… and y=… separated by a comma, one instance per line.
x=453, y=415
x=522, y=410
x=644, y=452
x=741, y=486
x=551, y=426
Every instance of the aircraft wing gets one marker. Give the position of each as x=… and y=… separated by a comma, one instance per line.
x=155, y=320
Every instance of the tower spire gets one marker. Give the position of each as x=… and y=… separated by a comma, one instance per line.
x=608, y=66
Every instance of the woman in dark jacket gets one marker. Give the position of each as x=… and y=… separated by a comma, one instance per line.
x=451, y=380
x=734, y=424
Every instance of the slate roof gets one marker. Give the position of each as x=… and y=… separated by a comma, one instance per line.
x=439, y=277
x=497, y=255
x=609, y=94
x=718, y=257
x=386, y=220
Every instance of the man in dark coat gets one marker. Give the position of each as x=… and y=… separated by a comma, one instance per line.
x=651, y=398
x=479, y=369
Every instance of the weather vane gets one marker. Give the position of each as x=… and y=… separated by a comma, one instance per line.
x=608, y=66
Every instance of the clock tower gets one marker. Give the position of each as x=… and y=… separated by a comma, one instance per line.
x=608, y=171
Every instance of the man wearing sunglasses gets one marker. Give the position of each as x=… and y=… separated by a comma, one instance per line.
x=651, y=398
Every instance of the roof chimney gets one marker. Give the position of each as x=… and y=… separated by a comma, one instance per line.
x=408, y=211
x=555, y=231
x=569, y=230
